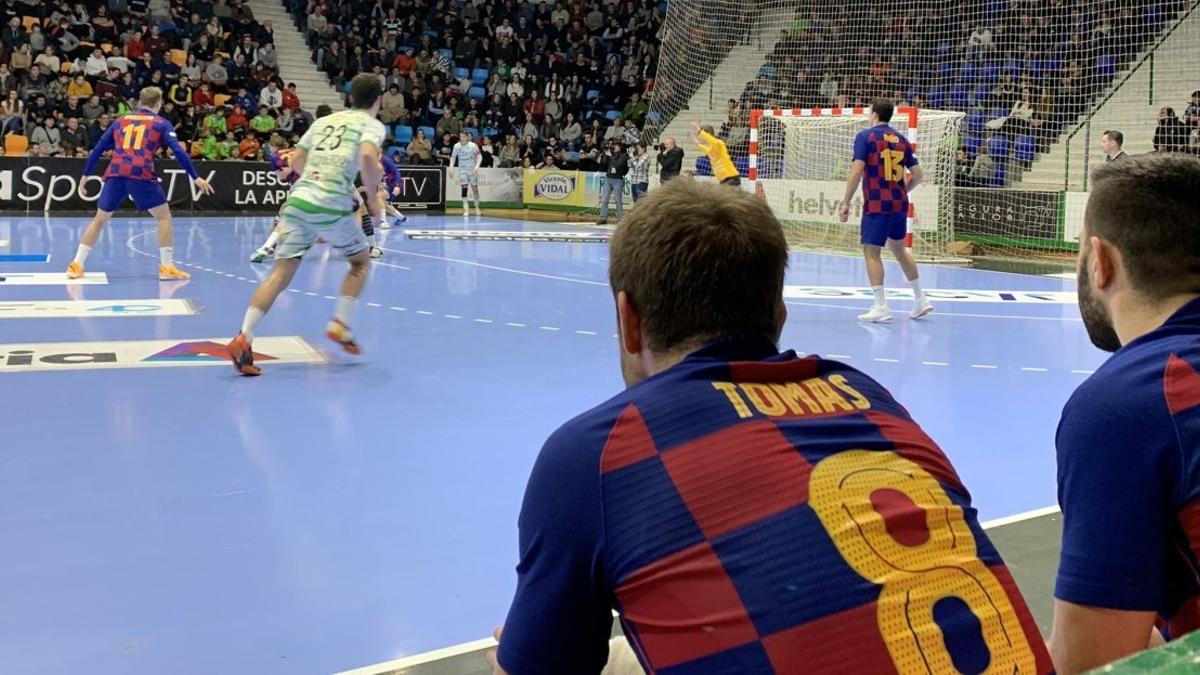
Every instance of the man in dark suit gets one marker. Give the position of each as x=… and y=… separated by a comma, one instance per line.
x=1110, y=143
x=670, y=159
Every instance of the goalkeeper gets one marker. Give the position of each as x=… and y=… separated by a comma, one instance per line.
x=718, y=155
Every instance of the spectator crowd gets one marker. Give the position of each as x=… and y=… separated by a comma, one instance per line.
x=537, y=84
x=67, y=69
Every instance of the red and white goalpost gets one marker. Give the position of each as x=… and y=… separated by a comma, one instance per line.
x=799, y=159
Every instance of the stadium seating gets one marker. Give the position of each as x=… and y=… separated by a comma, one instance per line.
x=403, y=134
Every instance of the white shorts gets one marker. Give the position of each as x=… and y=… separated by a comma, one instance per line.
x=297, y=236
x=468, y=178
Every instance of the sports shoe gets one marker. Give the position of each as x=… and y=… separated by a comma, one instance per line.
x=922, y=308
x=376, y=252
x=171, y=272
x=340, y=333
x=243, y=356
x=478, y=211
x=262, y=254
x=74, y=271
x=466, y=211
x=876, y=314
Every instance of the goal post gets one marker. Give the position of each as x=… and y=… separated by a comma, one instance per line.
x=799, y=160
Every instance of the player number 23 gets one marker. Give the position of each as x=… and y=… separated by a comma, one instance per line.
x=893, y=169
x=331, y=137
x=133, y=136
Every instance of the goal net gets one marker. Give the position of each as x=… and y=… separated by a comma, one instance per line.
x=1037, y=84
x=799, y=161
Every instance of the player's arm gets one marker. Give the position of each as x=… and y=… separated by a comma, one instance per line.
x=916, y=173
x=1114, y=464
x=561, y=614
x=102, y=146
x=371, y=171
x=181, y=156
x=857, y=167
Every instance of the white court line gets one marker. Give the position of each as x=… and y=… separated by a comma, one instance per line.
x=330, y=297
x=425, y=658
x=514, y=325
x=395, y=267
x=839, y=356
x=424, y=313
x=1016, y=518
x=499, y=269
x=984, y=366
x=1083, y=372
x=374, y=304
x=585, y=332
x=452, y=316
x=859, y=308
x=883, y=360
x=1035, y=370
x=294, y=290
x=550, y=328
x=934, y=363
x=398, y=309
x=483, y=321
x=310, y=293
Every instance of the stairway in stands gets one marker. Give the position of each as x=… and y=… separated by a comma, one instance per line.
x=295, y=58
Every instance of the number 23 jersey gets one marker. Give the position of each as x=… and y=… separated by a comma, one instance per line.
x=332, y=161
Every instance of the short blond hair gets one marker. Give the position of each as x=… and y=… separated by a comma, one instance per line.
x=150, y=97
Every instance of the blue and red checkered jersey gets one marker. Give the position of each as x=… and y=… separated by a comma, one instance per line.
x=391, y=173
x=886, y=153
x=749, y=511
x=1129, y=479
x=281, y=160
x=134, y=140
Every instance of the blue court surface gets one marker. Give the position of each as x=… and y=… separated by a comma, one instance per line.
x=159, y=516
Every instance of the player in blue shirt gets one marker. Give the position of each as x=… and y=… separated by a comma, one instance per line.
x=134, y=140
x=1129, y=438
x=745, y=510
x=391, y=190
x=881, y=156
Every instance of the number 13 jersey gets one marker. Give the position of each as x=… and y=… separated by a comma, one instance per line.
x=886, y=153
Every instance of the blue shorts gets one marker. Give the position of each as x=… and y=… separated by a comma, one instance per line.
x=146, y=194
x=877, y=228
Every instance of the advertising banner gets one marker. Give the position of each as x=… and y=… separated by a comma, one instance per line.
x=45, y=184
x=554, y=189
x=498, y=188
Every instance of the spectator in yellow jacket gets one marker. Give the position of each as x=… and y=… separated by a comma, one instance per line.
x=722, y=165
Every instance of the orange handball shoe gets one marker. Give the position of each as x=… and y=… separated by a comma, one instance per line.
x=171, y=272
x=243, y=357
x=340, y=333
x=74, y=271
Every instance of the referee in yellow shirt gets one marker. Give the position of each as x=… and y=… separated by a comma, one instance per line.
x=718, y=155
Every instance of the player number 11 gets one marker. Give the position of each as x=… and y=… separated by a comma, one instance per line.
x=893, y=170
x=133, y=136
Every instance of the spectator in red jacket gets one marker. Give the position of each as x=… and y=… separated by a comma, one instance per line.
x=291, y=100
x=203, y=96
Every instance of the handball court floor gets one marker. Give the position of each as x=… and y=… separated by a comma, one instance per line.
x=340, y=512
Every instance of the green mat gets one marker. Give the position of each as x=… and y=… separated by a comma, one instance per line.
x=1180, y=656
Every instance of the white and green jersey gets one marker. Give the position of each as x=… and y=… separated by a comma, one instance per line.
x=325, y=191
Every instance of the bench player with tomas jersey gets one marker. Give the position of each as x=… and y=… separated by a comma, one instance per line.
x=134, y=140
x=881, y=155
x=742, y=509
x=335, y=151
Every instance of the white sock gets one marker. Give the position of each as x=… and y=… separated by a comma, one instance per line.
x=341, y=310
x=880, y=298
x=166, y=254
x=371, y=241
x=271, y=240
x=82, y=252
x=250, y=322
x=918, y=294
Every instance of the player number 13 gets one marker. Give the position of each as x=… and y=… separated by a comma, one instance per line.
x=893, y=169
